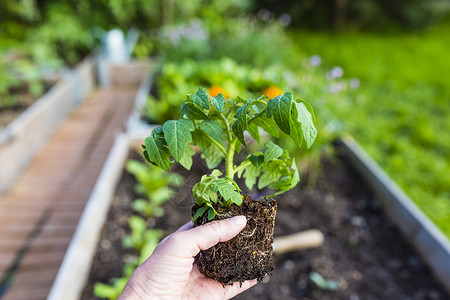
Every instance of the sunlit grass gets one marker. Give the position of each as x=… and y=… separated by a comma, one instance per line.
x=401, y=115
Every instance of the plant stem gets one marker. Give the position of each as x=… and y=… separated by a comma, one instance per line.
x=242, y=166
x=227, y=128
x=218, y=145
x=229, y=158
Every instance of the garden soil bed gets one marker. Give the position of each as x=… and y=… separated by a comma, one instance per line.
x=362, y=251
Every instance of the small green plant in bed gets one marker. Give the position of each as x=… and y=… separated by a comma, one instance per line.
x=218, y=128
x=144, y=242
x=18, y=75
x=154, y=185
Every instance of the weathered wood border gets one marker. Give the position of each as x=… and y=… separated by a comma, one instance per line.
x=22, y=139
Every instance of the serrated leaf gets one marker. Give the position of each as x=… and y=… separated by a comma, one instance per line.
x=201, y=99
x=186, y=159
x=273, y=151
x=287, y=182
x=192, y=112
x=257, y=107
x=213, y=129
x=268, y=124
x=305, y=118
x=212, y=155
x=253, y=129
x=199, y=212
x=218, y=102
x=296, y=129
x=177, y=134
x=157, y=151
x=238, y=132
x=216, y=173
x=228, y=192
x=257, y=160
x=310, y=109
x=241, y=115
x=251, y=175
x=270, y=173
x=280, y=109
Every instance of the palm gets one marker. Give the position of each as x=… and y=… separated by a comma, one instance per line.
x=200, y=287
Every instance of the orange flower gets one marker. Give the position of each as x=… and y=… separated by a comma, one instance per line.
x=273, y=91
x=216, y=90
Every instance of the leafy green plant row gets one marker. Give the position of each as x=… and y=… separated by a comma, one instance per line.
x=17, y=73
x=155, y=187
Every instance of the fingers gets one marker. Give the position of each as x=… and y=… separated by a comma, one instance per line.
x=205, y=236
x=232, y=290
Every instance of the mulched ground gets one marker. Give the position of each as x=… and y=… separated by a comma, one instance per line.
x=363, y=251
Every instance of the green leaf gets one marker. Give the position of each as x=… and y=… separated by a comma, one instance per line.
x=212, y=155
x=296, y=129
x=218, y=102
x=309, y=108
x=257, y=160
x=253, y=129
x=213, y=129
x=177, y=134
x=257, y=107
x=268, y=124
x=241, y=115
x=280, y=109
x=211, y=213
x=273, y=151
x=228, y=191
x=158, y=153
x=186, y=159
x=271, y=173
x=192, y=112
x=238, y=132
x=251, y=175
x=201, y=99
x=289, y=181
x=199, y=212
x=305, y=118
x=216, y=173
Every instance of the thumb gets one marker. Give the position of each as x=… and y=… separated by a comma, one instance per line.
x=205, y=236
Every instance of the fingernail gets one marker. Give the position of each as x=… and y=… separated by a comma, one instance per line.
x=238, y=220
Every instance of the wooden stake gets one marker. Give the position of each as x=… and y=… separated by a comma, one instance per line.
x=297, y=241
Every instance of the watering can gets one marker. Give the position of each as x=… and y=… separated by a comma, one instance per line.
x=116, y=46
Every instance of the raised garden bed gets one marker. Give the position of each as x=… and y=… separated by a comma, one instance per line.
x=363, y=251
x=22, y=138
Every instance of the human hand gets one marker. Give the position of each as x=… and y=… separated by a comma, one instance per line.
x=170, y=272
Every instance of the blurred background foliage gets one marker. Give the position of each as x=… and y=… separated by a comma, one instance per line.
x=378, y=69
x=338, y=15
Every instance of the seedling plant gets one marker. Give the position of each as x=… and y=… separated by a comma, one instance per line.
x=218, y=128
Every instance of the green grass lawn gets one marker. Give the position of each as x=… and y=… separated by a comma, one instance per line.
x=401, y=114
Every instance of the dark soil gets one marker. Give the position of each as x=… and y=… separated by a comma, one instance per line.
x=248, y=255
x=363, y=252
